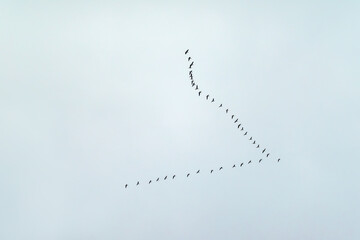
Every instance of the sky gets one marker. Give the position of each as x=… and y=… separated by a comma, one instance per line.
x=95, y=95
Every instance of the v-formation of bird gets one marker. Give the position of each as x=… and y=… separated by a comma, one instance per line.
x=207, y=97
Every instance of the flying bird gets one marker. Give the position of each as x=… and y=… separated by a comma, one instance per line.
x=199, y=93
x=157, y=179
x=125, y=185
x=191, y=64
x=242, y=129
x=197, y=87
x=279, y=160
x=249, y=162
x=241, y=164
x=174, y=176
x=220, y=106
x=149, y=181
x=211, y=171
x=232, y=116
x=258, y=146
x=186, y=51
x=239, y=125
x=193, y=84
x=245, y=133
x=207, y=97
x=198, y=171
x=254, y=142
x=250, y=138
x=188, y=175
x=137, y=183
x=213, y=100
x=236, y=120
x=189, y=58
x=267, y=154
x=264, y=150
x=227, y=110
x=165, y=177
x=234, y=166
x=260, y=160
x=220, y=168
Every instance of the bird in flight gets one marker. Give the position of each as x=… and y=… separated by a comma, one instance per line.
x=199, y=93
x=236, y=120
x=260, y=160
x=149, y=181
x=197, y=87
x=264, y=150
x=250, y=138
x=189, y=58
x=267, y=154
x=157, y=179
x=198, y=171
x=186, y=51
x=213, y=100
x=234, y=166
x=254, y=142
x=174, y=176
x=227, y=110
x=241, y=164
x=232, y=116
x=125, y=185
x=242, y=129
x=207, y=97
x=220, y=168
x=258, y=146
x=249, y=162
x=220, y=106
x=211, y=171
x=245, y=133
x=137, y=183
x=188, y=175
x=239, y=125
x=192, y=63
x=279, y=160
x=190, y=72
x=165, y=177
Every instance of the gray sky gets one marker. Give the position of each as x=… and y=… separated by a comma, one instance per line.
x=95, y=94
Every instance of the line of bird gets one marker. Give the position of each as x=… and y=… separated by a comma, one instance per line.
x=233, y=117
x=188, y=174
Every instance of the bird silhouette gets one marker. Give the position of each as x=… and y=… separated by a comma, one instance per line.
x=198, y=171
x=236, y=120
x=258, y=146
x=227, y=110
x=232, y=116
x=157, y=179
x=188, y=175
x=279, y=160
x=186, y=51
x=199, y=93
x=264, y=150
x=250, y=138
x=242, y=129
x=220, y=168
x=260, y=160
x=126, y=185
x=267, y=154
x=197, y=87
x=190, y=72
x=207, y=97
x=211, y=171
x=239, y=125
x=213, y=100
x=137, y=183
x=220, y=105
x=234, y=166
x=249, y=162
x=241, y=164
x=174, y=176
x=245, y=133
x=165, y=177
x=193, y=84
x=191, y=64
x=254, y=142
x=189, y=58
x=149, y=181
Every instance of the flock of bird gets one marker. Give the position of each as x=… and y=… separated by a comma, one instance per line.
x=227, y=111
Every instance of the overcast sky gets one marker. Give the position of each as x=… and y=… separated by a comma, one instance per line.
x=95, y=94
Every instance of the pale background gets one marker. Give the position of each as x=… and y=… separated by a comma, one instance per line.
x=95, y=94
